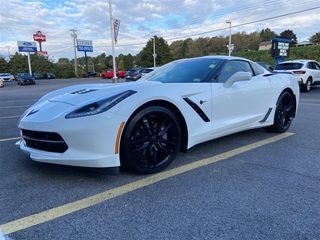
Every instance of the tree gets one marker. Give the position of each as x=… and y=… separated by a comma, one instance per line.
x=267, y=34
x=4, y=65
x=288, y=34
x=63, y=61
x=145, y=57
x=315, y=38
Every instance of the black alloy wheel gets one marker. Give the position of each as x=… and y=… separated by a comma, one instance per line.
x=150, y=141
x=284, y=113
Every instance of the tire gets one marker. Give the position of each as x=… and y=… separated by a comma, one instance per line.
x=150, y=140
x=284, y=114
x=307, y=86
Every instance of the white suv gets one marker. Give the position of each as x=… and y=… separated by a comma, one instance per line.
x=306, y=71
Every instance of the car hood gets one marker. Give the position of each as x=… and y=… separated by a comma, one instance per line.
x=80, y=94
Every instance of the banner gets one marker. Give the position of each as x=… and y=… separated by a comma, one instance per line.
x=116, y=26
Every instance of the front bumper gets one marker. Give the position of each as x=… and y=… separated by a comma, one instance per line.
x=91, y=141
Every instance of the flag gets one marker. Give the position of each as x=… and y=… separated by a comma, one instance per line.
x=116, y=26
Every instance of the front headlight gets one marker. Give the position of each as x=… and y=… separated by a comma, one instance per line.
x=100, y=106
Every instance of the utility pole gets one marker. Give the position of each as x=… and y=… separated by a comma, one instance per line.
x=8, y=52
x=74, y=36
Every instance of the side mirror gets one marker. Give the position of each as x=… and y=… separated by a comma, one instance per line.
x=237, y=77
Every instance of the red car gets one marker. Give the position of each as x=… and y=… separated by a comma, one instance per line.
x=109, y=74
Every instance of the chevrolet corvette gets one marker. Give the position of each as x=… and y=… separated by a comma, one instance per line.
x=142, y=125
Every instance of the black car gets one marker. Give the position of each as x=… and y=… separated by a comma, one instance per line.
x=134, y=74
x=49, y=75
x=37, y=75
x=25, y=78
x=90, y=74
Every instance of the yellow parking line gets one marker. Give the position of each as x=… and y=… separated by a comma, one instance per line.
x=63, y=210
x=9, y=139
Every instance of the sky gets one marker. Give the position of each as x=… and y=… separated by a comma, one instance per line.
x=140, y=20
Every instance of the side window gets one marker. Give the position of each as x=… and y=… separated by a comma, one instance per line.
x=317, y=66
x=310, y=66
x=257, y=69
x=233, y=66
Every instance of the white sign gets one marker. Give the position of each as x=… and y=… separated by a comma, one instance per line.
x=84, y=42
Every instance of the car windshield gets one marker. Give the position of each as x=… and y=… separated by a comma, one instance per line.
x=184, y=70
x=5, y=74
x=288, y=66
x=25, y=75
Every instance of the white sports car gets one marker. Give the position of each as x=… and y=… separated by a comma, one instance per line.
x=142, y=125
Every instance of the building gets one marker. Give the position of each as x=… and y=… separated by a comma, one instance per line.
x=304, y=43
x=265, y=45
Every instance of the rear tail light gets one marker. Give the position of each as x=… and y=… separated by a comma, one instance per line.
x=299, y=72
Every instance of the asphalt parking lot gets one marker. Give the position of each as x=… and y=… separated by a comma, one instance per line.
x=250, y=185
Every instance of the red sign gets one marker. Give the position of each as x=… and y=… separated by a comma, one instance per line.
x=39, y=37
x=42, y=52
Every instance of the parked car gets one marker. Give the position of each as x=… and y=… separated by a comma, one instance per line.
x=90, y=74
x=1, y=82
x=143, y=126
x=306, y=71
x=25, y=78
x=37, y=75
x=134, y=74
x=7, y=77
x=49, y=75
x=266, y=66
x=110, y=74
x=147, y=70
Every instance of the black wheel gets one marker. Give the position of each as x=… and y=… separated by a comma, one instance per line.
x=150, y=140
x=283, y=114
x=306, y=87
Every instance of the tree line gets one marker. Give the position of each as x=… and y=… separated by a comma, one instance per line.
x=245, y=45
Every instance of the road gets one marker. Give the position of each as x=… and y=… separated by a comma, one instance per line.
x=250, y=185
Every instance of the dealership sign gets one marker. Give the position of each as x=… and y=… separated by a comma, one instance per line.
x=25, y=46
x=84, y=45
x=42, y=52
x=39, y=37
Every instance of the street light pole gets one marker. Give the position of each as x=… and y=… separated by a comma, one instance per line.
x=154, y=52
x=74, y=36
x=8, y=52
x=115, y=78
x=229, y=46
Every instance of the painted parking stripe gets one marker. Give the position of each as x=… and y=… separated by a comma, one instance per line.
x=9, y=139
x=10, y=117
x=16, y=106
x=72, y=207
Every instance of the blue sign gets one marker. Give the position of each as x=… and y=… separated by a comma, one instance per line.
x=85, y=48
x=25, y=46
x=84, y=45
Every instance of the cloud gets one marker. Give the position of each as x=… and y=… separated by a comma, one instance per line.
x=140, y=20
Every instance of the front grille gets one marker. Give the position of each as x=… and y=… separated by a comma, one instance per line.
x=45, y=141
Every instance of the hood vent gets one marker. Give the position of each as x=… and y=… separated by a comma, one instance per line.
x=83, y=91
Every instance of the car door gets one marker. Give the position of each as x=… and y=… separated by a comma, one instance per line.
x=315, y=72
x=242, y=105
